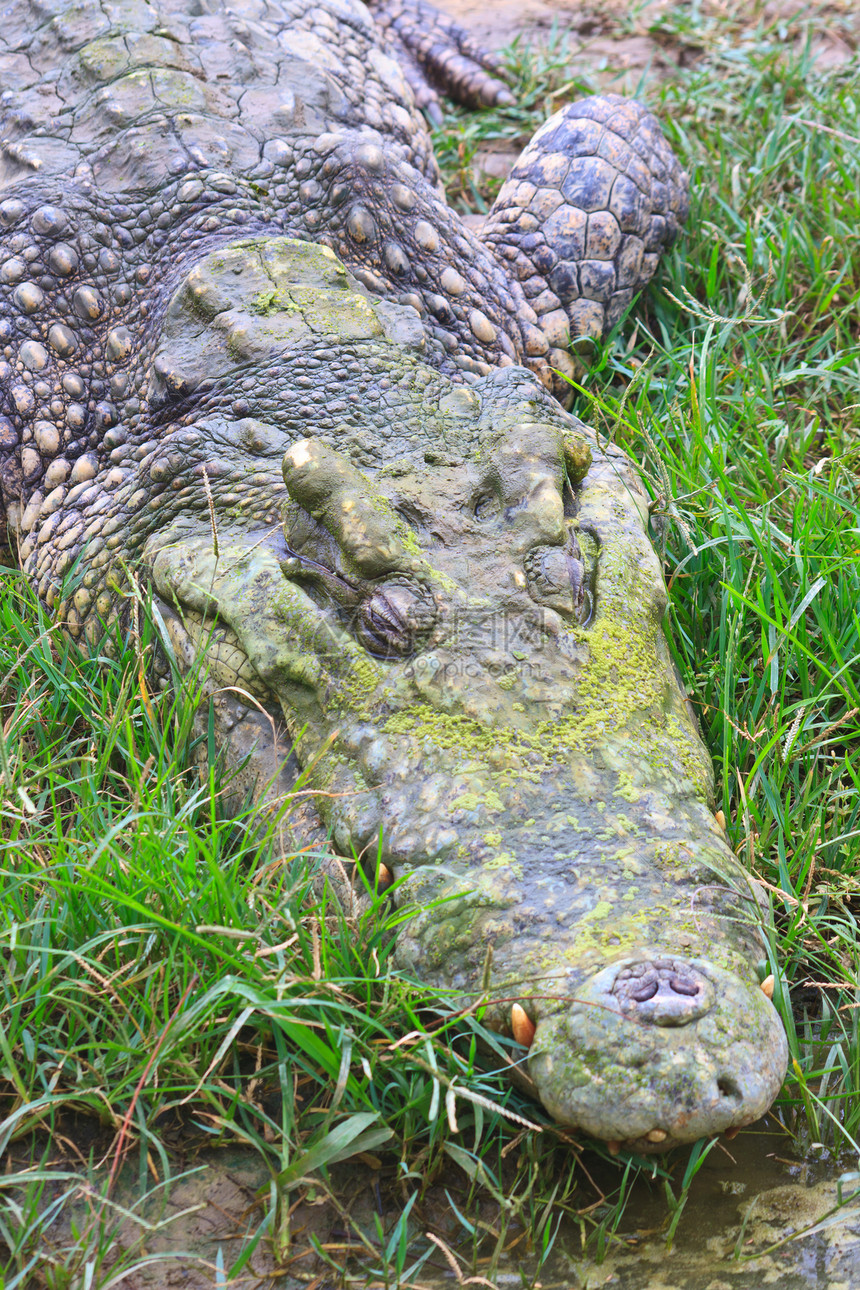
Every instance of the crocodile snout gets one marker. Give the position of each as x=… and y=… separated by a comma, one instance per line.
x=652, y=1052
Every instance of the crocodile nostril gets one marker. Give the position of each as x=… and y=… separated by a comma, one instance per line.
x=683, y=985
x=643, y=992
x=665, y=992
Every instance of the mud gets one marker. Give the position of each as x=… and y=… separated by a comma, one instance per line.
x=624, y=45
x=755, y=1217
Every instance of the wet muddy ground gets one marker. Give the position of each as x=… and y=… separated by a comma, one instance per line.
x=621, y=43
x=756, y=1216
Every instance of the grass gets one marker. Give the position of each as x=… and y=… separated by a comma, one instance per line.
x=165, y=976
x=164, y=973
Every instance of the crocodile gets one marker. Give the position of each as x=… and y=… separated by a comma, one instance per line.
x=251, y=357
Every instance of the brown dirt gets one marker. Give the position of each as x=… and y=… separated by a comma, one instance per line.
x=620, y=43
x=203, y=1220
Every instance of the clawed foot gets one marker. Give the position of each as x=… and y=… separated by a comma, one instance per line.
x=436, y=54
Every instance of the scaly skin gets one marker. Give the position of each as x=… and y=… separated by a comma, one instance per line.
x=379, y=524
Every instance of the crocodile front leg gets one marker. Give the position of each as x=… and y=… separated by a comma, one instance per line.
x=586, y=213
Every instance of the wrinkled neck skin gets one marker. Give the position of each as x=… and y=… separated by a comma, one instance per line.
x=450, y=594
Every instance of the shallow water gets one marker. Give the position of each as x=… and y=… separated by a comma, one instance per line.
x=756, y=1216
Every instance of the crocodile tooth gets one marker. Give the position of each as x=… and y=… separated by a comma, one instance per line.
x=384, y=877
x=522, y=1026
x=767, y=986
x=613, y=1147
x=657, y=1135
x=720, y=817
x=732, y=1132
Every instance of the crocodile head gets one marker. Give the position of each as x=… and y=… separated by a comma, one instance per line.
x=451, y=594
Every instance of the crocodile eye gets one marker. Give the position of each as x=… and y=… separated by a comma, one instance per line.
x=486, y=507
x=393, y=619
x=557, y=578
